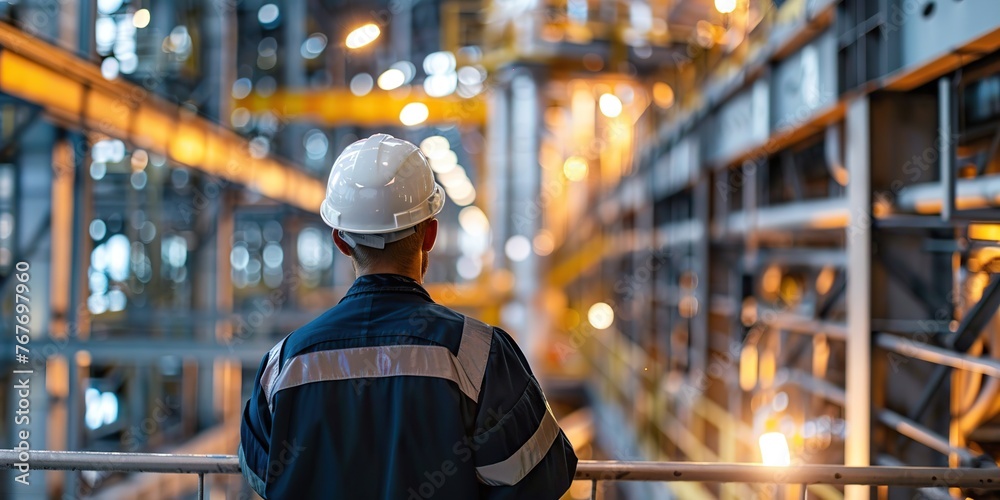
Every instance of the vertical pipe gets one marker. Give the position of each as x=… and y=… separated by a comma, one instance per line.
x=947, y=153
x=79, y=248
x=525, y=209
x=857, y=450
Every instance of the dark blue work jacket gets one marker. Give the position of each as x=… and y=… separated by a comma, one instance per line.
x=391, y=396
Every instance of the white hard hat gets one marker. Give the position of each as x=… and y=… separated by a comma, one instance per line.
x=380, y=186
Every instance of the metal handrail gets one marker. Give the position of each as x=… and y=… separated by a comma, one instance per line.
x=588, y=470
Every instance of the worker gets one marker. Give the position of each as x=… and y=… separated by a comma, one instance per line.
x=389, y=395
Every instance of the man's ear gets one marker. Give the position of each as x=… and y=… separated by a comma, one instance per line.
x=341, y=244
x=430, y=235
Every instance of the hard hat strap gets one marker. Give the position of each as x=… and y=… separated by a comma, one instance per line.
x=375, y=240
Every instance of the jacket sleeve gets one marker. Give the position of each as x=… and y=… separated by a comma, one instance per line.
x=519, y=449
x=255, y=433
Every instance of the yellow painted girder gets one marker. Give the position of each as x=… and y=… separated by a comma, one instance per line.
x=73, y=90
x=338, y=106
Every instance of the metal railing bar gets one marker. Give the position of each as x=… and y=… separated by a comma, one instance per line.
x=706, y=472
x=938, y=355
x=124, y=462
x=798, y=323
x=709, y=472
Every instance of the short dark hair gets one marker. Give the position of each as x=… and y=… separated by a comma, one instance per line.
x=403, y=252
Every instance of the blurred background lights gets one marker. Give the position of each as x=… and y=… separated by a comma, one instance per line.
x=465, y=199
x=361, y=84
x=105, y=33
x=575, y=168
x=128, y=63
x=600, y=315
x=439, y=63
x=98, y=229
x=474, y=221
x=102, y=408
x=413, y=113
x=611, y=105
x=141, y=18
x=663, y=95
x=543, y=243
x=440, y=85
x=108, y=6
x=242, y=88
x=517, y=248
x=268, y=13
x=468, y=268
x=407, y=68
x=316, y=144
x=725, y=6
x=445, y=163
x=362, y=36
x=434, y=146
x=109, y=68
x=240, y=117
x=390, y=79
x=774, y=449
x=313, y=46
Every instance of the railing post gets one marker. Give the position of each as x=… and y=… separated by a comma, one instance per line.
x=201, y=486
x=593, y=490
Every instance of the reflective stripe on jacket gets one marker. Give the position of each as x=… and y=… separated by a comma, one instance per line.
x=391, y=396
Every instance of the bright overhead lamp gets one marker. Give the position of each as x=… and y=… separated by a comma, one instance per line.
x=391, y=79
x=774, y=447
x=611, y=105
x=362, y=36
x=474, y=221
x=141, y=18
x=601, y=315
x=725, y=6
x=414, y=113
x=575, y=168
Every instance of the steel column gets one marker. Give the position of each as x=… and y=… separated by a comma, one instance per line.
x=857, y=410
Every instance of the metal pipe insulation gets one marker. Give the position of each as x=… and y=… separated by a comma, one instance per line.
x=980, y=192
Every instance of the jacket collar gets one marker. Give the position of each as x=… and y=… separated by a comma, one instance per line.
x=386, y=283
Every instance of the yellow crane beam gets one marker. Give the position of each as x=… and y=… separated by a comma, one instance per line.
x=73, y=91
x=338, y=106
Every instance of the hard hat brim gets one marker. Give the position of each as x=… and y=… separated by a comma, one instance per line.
x=429, y=208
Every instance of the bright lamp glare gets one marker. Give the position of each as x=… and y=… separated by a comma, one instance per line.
x=141, y=18
x=774, y=449
x=601, y=315
x=725, y=6
x=575, y=168
x=413, y=113
x=474, y=221
x=517, y=248
x=391, y=79
x=611, y=105
x=362, y=36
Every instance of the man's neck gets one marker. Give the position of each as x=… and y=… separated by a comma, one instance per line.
x=409, y=273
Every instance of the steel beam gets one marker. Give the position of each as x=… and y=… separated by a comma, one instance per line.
x=976, y=318
x=338, y=107
x=73, y=92
x=939, y=355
